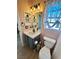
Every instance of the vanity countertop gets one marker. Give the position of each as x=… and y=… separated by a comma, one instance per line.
x=32, y=35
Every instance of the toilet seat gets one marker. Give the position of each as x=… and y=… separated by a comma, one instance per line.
x=44, y=53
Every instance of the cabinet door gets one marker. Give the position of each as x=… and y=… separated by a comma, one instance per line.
x=27, y=41
x=30, y=42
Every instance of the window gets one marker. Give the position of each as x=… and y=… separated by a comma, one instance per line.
x=53, y=15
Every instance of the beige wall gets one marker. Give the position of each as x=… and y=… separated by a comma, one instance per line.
x=51, y=33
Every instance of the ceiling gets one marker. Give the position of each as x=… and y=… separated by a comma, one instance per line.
x=25, y=6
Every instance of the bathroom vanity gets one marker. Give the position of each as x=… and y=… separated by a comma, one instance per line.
x=31, y=28
x=31, y=38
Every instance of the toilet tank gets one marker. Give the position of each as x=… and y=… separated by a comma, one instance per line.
x=49, y=42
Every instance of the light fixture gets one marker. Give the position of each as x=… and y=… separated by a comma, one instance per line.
x=33, y=8
x=38, y=7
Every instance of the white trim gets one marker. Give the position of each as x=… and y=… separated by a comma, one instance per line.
x=20, y=30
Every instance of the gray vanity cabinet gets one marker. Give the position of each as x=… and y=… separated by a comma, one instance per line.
x=30, y=41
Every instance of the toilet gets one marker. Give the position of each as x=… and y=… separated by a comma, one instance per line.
x=44, y=52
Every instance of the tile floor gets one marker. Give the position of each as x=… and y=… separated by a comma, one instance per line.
x=25, y=52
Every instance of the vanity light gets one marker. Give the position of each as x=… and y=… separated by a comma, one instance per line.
x=33, y=8
x=38, y=4
x=38, y=7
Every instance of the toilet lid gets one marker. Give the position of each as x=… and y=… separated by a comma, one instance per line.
x=44, y=53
